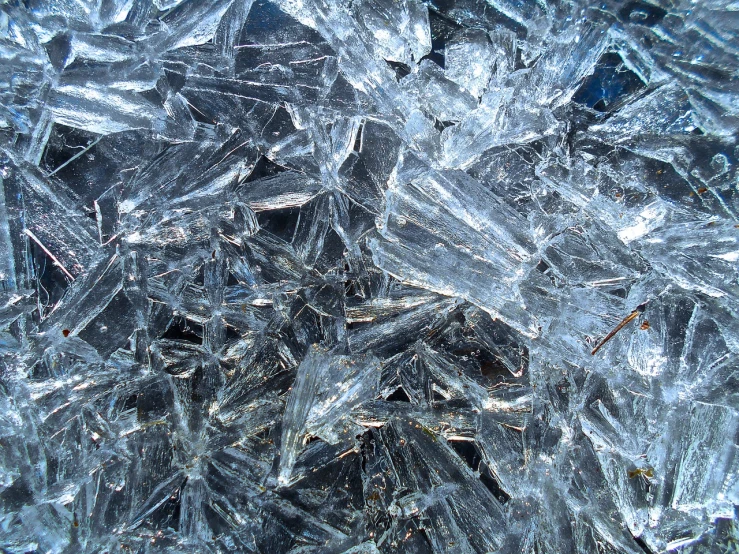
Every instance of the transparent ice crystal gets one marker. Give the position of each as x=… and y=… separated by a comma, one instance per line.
x=369, y=276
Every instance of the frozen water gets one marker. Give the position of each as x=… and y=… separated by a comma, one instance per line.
x=379, y=276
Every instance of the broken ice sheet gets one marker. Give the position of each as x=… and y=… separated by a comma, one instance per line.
x=315, y=276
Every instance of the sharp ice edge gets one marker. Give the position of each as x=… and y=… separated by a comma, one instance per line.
x=317, y=276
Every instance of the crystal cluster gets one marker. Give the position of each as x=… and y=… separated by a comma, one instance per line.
x=369, y=276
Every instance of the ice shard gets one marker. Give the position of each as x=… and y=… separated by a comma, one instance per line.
x=328, y=386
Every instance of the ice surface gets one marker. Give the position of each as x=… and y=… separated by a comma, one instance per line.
x=379, y=276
